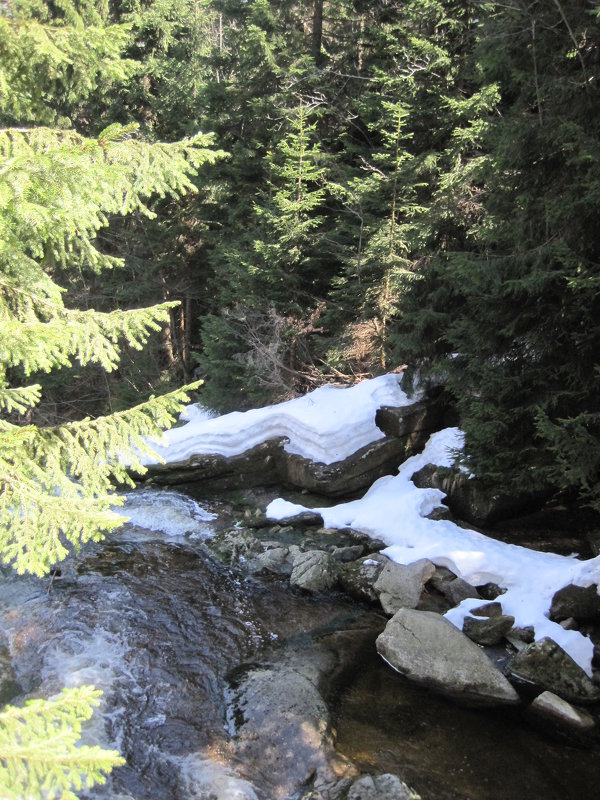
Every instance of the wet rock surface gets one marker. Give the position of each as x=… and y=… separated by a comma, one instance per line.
x=371, y=787
x=550, y=707
x=545, y=665
x=429, y=650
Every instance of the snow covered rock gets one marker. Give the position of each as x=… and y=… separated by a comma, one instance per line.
x=326, y=441
x=429, y=650
x=543, y=664
x=400, y=586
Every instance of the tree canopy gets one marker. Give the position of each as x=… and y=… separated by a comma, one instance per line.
x=58, y=189
x=395, y=183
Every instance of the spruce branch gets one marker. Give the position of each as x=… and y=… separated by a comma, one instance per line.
x=39, y=751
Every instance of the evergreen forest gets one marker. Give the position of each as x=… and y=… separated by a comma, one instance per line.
x=249, y=198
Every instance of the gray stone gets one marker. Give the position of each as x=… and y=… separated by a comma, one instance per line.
x=429, y=650
x=525, y=634
x=400, y=586
x=545, y=665
x=441, y=577
x=490, y=591
x=346, y=554
x=314, y=571
x=358, y=577
x=487, y=610
x=276, y=560
x=458, y=590
x=550, y=707
x=378, y=787
x=489, y=630
x=576, y=601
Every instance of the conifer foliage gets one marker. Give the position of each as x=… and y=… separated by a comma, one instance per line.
x=57, y=190
x=38, y=753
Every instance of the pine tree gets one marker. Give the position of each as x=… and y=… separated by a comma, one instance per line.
x=509, y=314
x=39, y=756
x=276, y=274
x=58, y=189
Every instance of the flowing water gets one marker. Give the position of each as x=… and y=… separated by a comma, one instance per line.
x=161, y=627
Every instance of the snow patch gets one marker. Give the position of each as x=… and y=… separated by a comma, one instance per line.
x=395, y=510
x=325, y=426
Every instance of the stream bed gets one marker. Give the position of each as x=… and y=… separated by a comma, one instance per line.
x=194, y=659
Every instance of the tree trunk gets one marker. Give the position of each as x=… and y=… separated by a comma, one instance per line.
x=317, y=32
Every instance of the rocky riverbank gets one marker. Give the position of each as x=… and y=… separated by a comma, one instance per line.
x=484, y=659
x=491, y=663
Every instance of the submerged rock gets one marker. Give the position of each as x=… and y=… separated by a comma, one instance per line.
x=545, y=665
x=377, y=787
x=548, y=706
x=429, y=650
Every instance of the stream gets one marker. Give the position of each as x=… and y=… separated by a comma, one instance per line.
x=187, y=650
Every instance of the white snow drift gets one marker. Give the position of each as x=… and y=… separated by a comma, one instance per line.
x=330, y=424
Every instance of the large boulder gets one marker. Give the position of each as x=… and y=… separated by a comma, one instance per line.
x=545, y=665
x=342, y=478
x=429, y=650
x=488, y=625
x=473, y=500
x=258, y=466
x=415, y=423
x=406, y=430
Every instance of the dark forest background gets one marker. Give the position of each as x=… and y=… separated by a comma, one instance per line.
x=406, y=183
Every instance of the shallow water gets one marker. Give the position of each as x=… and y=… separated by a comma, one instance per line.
x=160, y=627
x=446, y=752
